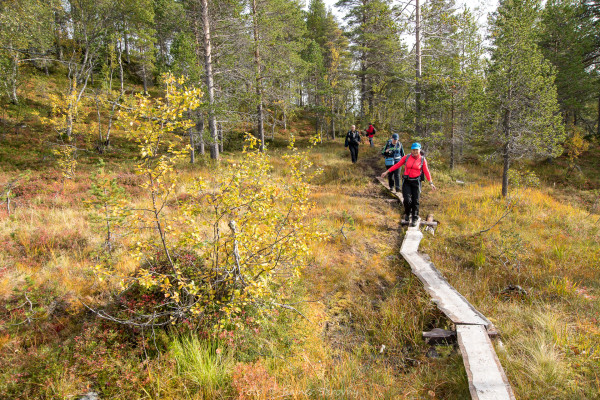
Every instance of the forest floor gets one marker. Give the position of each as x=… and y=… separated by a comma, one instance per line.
x=530, y=263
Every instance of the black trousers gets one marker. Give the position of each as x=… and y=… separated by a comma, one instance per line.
x=394, y=179
x=353, y=152
x=411, y=190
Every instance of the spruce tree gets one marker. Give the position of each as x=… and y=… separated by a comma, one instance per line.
x=521, y=86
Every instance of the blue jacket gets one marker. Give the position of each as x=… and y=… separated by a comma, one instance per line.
x=390, y=151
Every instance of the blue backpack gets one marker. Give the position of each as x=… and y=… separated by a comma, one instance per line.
x=389, y=161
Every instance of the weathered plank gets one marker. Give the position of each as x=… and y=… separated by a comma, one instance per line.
x=446, y=297
x=487, y=380
x=439, y=336
x=433, y=224
x=385, y=184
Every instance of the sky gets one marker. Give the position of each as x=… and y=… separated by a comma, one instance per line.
x=486, y=6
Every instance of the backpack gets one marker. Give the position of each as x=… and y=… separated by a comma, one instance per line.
x=389, y=153
x=353, y=137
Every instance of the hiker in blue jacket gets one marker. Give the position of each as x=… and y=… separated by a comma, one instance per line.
x=393, y=152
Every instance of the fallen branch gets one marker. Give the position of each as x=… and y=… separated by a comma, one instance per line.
x=288, y=307
x=501, y=218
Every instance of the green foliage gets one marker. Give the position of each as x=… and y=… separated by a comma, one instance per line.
x=108, y=203
x=185, y=61
x=374, y=31
x=524, y=104
x=523, y=178
x=567, y=36
x=25, y=27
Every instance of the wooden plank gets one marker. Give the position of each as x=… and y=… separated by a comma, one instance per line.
x=411, y=240
x=439, y=336
x=385, y=185
x=446, y=297
x=433, y=224
x=487, y=380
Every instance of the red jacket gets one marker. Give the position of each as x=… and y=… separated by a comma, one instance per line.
x=413, y=167
x=370, y=131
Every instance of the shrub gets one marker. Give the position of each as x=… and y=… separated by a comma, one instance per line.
x=245, y=232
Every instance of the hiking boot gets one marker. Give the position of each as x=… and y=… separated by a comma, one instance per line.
x=397, y=190
x=391, y=188
x=414, y=221
x=406, y=218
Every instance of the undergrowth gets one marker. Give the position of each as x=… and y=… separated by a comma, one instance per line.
x=360, y=312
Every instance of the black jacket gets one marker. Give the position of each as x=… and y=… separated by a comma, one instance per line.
x=352, y=137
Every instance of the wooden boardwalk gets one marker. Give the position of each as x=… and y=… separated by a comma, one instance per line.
x=446, y=297
x=487, y=379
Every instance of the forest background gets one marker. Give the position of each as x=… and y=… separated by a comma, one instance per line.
x=180, y=219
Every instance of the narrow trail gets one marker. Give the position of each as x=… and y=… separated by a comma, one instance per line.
x=487, y=379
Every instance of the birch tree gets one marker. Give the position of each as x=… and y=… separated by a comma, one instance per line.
x=26, y=30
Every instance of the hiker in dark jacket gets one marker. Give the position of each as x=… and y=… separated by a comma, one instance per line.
x=370, y=132
x=352, y=141
x=411, y=186
x=393, y=152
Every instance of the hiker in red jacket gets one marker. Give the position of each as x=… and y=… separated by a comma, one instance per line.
x=370, y=133
x=411, y=186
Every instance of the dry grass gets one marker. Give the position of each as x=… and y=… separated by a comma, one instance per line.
x=551, y=249
x=365, y=311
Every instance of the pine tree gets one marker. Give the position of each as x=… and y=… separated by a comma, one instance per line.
x=278, y=32
x=565, y=39
x=375, y=42
x=453, y=79
x=521, y=86
x=326, y=83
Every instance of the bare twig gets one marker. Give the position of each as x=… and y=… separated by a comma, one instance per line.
x=510, y=207
x=342, y=230
x=288, y=307
x=28, y=318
